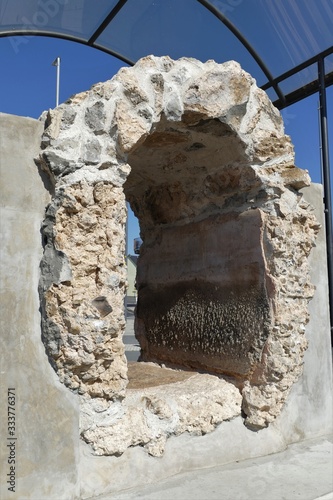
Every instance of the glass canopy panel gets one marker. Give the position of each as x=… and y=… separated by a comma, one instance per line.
x=284, y=33
x=329, y=64
x=175, y=28
x=301, y=79
x=307, y=75
x=77, y=18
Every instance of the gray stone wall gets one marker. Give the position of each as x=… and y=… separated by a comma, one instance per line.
x=46, y=413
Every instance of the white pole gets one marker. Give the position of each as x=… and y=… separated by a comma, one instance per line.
x=58, y=80
x=56, y=63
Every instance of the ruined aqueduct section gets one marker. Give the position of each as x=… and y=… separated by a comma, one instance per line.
x=201, y=155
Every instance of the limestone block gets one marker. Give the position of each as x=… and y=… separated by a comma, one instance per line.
x=95, y=117
x=223, y=282
x=147, y=417
x=80, y=309
x=219, y=91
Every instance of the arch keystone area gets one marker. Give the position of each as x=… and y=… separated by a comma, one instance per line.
x=223, y=288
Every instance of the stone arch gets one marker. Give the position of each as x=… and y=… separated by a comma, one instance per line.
x=200, y=153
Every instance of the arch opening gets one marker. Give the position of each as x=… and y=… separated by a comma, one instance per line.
x=223, y=284
x=202, y=296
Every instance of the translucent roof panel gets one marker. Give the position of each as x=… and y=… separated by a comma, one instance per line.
x=278, y=41
x=76, y=18
x=177, y=29
x=284, y=33
x=302, y=78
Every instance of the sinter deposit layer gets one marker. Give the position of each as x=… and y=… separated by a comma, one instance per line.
x=201, y=155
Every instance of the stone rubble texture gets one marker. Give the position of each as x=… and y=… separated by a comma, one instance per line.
x=147, y=417
x=223, y=280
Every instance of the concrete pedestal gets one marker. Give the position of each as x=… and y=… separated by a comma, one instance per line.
x=43, y=428
x=48, y=460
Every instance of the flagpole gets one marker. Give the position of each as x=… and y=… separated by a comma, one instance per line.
x=56, y=63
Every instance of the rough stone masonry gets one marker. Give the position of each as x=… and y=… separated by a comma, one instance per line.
x=200, y=153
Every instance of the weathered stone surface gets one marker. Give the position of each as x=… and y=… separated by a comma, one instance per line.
x=211, y=308
x=83, y=312
x=95, y=117
x=142, y=375
x=148, y=415
x=200, y=153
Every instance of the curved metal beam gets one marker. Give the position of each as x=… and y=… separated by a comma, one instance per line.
x=70, y=38
x=246, y=44
x=300, y=67
x=106, y=21
x=303, y=92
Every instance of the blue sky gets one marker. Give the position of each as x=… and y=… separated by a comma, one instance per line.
x=28, y=82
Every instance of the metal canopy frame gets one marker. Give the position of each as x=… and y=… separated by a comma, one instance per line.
x=284, y=100
x=326, y=182
x=247, y=45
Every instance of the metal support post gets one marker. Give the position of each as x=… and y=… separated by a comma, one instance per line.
x=326, y=182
